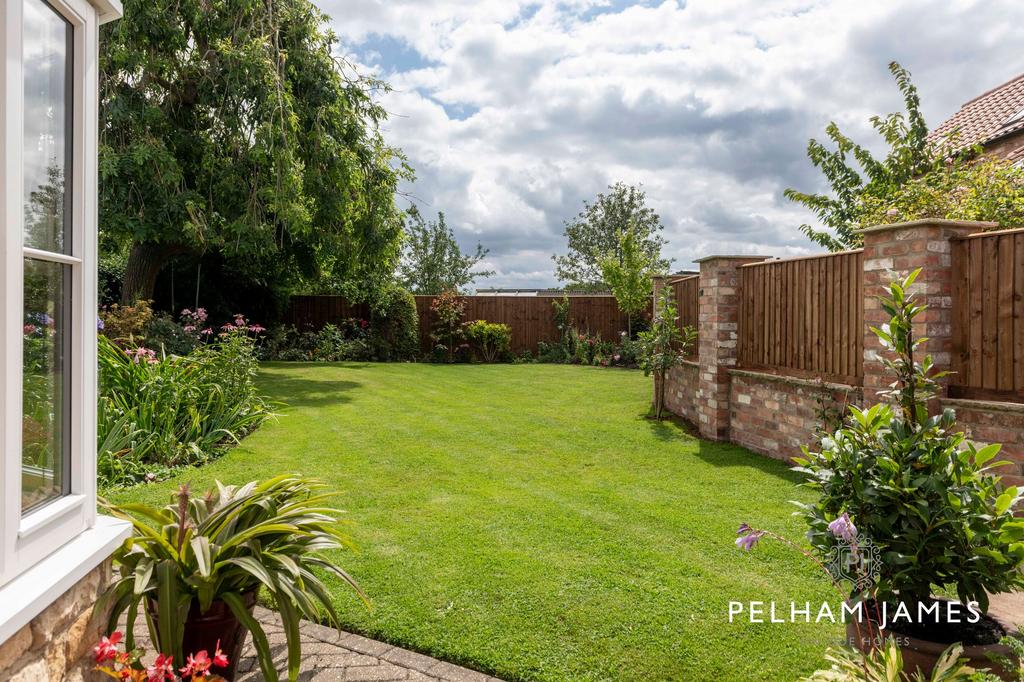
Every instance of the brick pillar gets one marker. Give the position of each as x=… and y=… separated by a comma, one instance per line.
x=717, y=322
x=894, y=251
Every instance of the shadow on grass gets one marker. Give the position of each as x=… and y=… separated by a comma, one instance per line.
x=732, y=455
x=297, y=391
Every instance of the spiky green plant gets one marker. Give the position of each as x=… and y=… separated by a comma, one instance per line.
x=222, y=546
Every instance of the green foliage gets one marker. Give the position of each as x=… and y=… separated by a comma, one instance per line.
x=221, y=547
x=964, y=188
x=491, y=340
x=885, y=664
x=125, y=324
x=164, y=411
x=913, y=485
x=163, y=333
x=664, y=345
x=331, y=345
x=447, y=311
x=854, y=175
x=395, y=326
x=234, y=128
x=628, y=274
x=432, y=261
x=597, y=231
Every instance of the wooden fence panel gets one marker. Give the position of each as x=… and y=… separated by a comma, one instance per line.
x=531, y=317
x=988, y=315
x=804, y=316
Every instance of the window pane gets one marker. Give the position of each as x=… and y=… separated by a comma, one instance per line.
x=45, y=450
x=47, y=52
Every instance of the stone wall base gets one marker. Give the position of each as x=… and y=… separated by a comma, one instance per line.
x=681, y=392
x=57, y=644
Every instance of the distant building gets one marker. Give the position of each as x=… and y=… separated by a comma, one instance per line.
x=994, y=120
x=539, y=292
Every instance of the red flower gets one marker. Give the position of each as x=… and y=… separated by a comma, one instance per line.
x=106, y=650
x=30, y=329
x=220, y=659
x=162, y=669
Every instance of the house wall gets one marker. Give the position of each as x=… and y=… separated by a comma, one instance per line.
x=57, y=644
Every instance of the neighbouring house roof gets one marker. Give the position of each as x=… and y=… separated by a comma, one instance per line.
x=989, y=117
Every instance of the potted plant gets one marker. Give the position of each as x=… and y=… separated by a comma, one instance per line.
x=926, y=502
x=193, y=568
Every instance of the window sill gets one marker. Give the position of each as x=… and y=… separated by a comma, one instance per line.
x=26, y=596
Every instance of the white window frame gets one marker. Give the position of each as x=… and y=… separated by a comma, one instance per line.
x=45, y=551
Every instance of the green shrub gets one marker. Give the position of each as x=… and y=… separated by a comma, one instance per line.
x=164, y=334
x=663, y=346
x=395, y=327
x=914, y=486
x=161, y=410
x=491, y=340
x=446, y=330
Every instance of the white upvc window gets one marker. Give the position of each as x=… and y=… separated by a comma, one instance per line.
x=48, y=133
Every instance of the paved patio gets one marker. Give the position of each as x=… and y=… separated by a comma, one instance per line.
x=329, y=655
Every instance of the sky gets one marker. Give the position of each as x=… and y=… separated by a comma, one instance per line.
x=512, y=112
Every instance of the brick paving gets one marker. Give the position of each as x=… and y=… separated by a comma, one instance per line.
x=329, y=655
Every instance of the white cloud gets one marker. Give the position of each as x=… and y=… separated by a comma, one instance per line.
x=513, y=112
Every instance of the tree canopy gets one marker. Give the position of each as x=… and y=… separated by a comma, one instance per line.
x=432, y=261
x=854, y=174
x=231, y=128
x=597, y=231
x=629, y=275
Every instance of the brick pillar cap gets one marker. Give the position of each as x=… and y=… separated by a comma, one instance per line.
x=940, y=222
x=723, y=257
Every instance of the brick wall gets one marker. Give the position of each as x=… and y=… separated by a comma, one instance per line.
x=681, y=392
x=57, y=644
x=774, y=415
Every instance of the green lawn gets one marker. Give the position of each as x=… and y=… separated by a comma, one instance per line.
x=528, y=521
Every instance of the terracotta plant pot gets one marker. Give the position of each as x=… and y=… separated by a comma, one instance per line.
x=922, y=655
x=204, y=630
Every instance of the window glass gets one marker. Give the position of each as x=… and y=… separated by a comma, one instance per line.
x=46, y=156
x=44, y=417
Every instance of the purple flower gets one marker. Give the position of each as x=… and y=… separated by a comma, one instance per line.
x=99, y=324
x=748, y=537
x=843, y=528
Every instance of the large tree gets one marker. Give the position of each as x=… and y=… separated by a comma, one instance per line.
x=432, y=261
x=230, y=127
x=598, y=229
x=854, y=175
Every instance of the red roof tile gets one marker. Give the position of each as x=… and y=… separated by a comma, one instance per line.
x=982, y=119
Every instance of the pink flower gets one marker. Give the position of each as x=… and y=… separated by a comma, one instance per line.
x=162, y=669
x=106, y=650
x=206, y=332
x=227, y=327
x=197, y=665
x=30, y=329
x=748, y=537
x=256, y=329
x=189, y=328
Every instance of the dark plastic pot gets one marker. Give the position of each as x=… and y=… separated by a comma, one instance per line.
x=204, y=630
x=922, y=655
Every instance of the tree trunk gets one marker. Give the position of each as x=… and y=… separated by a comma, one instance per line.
x=145, y=261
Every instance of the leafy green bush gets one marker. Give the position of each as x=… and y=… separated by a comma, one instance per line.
x=163, y=333
x=395, y=326
x=922, y=493
x=987, y=188
x=491, y=340
x=168, y=410
x=447, y=310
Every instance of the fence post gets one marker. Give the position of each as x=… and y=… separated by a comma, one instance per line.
x=717, y=326
x=892, y=251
